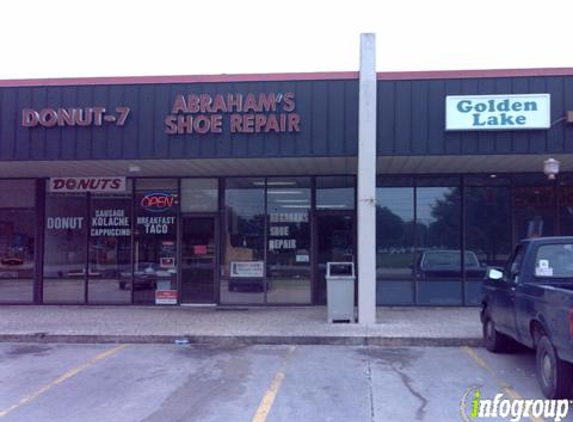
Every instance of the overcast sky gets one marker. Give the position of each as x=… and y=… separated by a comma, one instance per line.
x=121, y=38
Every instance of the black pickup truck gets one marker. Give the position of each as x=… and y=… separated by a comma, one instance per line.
x=530, y=301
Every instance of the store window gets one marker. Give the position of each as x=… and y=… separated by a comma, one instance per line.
x=199, y=195
x=243, y=265
x=395, y=253
x=155, y=242
x=18, y=193
x=438, y=268
x=487, y=232
x=565, y=194
x=17, y=240
x=65, y=248
x=110, y=248
x=288, y=240
x=534, y=205
x=335, y=193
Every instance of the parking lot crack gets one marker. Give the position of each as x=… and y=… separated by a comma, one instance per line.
x=407, y=381
x=370, y=390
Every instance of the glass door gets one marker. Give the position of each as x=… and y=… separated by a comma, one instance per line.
x=198, y=259
x=534, y=211
x=335, y=242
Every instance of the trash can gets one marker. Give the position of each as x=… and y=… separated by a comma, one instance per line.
x=340, y=279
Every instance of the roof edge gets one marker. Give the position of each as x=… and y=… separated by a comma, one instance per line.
x=278, y=77
x=176, y=79
x=467, y=74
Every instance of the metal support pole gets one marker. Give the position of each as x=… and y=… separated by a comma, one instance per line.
x=367, y=181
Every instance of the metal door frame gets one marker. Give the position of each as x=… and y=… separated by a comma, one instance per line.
x=315, y=244
x=215, y=217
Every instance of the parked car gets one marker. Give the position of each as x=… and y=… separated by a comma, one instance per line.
x=447, y=263
x=530, y=302
x=11, y=261
x=145, y=276
x=252, y=285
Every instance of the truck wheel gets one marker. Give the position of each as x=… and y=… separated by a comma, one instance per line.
x=493, y=340
x=554, y=375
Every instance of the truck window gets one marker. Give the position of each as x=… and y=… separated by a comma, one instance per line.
x=554, y=261
x=514, y=264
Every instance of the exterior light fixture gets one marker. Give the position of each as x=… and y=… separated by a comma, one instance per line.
x=134, y=168
x=551, y=168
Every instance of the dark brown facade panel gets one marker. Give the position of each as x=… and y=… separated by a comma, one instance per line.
x=237, y=119
x=411, y=120
x=411, y=117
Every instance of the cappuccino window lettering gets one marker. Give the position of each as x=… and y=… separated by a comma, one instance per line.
x=110, y=222
x=110, y=247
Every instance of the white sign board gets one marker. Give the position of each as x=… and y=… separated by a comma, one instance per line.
x=247, y=269
x=87, y=184
x=498, y=112
x=166, y=297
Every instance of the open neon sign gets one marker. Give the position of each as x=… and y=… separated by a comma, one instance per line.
x=158, y=201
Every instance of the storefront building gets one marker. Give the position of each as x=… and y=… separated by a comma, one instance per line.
x=236, y=190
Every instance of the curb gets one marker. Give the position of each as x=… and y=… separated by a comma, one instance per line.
x=245, y=340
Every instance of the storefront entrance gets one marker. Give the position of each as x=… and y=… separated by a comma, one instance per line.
x=198, y=259
x=335, y=243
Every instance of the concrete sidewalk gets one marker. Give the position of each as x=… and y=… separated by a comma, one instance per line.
x=254, y=325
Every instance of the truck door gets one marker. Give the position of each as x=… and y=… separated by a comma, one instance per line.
x=505, y=298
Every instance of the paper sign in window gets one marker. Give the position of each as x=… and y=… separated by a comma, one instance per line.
x=200, y=250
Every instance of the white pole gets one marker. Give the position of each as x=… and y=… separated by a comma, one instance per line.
x=367, y=181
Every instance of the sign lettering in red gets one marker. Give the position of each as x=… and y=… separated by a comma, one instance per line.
x=166, y=297
x=158, y=201
x=236, y=113
x=87, y=184
x=74, y=116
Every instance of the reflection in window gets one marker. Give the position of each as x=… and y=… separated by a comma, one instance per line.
x=335, y=243
x=199, y=195
x=566, y=210
x=487, y=235
x=110, y=249
x=438, y=211
x=534, y=211
x=554, y=261
x=17, y=193
x=243, y=279
x=155, y=259
x=394, y=245
x=335, y=193
x=66, y=229
x=17, y=255
x=288, y=256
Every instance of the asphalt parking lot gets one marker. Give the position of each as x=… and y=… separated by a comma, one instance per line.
x=157, y=383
